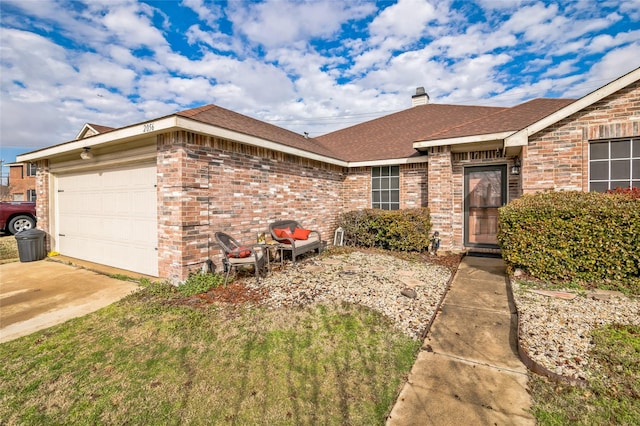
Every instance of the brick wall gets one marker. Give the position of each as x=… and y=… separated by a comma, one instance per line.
x=440, y=190
x=557, y=158
x=208, y=184
x=19, y=182
x=413, y=185
x=42, y=199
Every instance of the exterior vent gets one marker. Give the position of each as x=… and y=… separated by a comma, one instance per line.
x=420, y=98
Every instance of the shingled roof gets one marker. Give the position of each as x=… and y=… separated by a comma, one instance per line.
x=230, y=120
x=393, y=136
x=508, y=119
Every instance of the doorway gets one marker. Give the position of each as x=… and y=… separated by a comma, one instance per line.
x=485, y=189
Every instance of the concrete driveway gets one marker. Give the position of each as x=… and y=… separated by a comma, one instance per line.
x=38, y=295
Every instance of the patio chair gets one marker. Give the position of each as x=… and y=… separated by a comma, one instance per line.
x=237, y=255
x=311, y=240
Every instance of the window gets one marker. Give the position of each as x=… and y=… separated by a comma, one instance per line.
x=31, y=195
x=614, y=163
x=385, y=187
x=31, y=169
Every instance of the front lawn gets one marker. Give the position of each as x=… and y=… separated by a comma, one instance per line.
x=612, y=397
x=154, y=359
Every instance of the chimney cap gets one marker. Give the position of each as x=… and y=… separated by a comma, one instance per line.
x=420, y=98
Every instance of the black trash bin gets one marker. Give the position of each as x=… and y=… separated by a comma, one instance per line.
x=31, y=245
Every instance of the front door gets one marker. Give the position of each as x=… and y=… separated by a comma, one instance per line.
x=485, y=190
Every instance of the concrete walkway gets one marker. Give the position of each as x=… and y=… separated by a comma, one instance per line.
x=468, y=372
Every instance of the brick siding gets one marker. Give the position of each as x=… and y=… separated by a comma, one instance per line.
x=557, y=158
x=207, y=184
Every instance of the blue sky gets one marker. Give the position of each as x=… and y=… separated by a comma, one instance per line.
x=312, y=66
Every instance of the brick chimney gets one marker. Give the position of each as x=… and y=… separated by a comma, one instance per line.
x=420, y=98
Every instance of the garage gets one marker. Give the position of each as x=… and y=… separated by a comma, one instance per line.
x=109, y=216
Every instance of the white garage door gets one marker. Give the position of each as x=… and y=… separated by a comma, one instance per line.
x=109, y=216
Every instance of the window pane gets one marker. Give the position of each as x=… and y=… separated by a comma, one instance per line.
x=395, y=196
x=375, y=197
x=599, y=170
x=384, y=197
x=384, y=183
x=636, y=184
x=395, y=170
x=375, y=184
x=375, y=171
x=394, y=207
x=599, y=186
x=599, y=150
x=395, y=183
x=624, y=184
x=621, y=149
x=636, y=169
x=385, y=171
x=375, y=205
x=620, y=169
x=636, y=148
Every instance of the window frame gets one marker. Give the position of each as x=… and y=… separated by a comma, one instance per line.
x=385, y=187
x=612, y=163
x=32, y=169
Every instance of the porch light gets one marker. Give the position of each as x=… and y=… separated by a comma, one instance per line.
x=86, y=153
x=515, y=169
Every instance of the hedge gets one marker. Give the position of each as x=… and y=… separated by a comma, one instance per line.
x=576, y=236
x=401, y=230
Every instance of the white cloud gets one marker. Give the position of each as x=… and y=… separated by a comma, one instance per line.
x=208, y=13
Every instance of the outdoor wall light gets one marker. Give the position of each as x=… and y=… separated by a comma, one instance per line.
x=86, y=153
x=515, y=169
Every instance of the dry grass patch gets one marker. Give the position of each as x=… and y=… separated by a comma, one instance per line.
x=8, y=249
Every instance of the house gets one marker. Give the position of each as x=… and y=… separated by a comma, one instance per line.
x=148, y=197
x=22, y=182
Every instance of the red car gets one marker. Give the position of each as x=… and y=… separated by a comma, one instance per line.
x=17, y=216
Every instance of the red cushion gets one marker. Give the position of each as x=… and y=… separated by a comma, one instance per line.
x=240, y=252
x=301, y=234
x=283, y=232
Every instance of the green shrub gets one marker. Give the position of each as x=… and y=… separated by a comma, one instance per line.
x=589, y=237
x=198, y=283
x=401, y=230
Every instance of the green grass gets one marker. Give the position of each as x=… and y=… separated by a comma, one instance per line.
x=612, y=397
x=152, y=359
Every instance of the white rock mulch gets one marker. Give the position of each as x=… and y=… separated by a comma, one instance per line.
x=556, y=331
x=372, y=280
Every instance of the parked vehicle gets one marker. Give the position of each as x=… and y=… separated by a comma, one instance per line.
x=16, y=216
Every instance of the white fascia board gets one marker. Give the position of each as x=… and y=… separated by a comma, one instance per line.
x=132, y=132
x=523, y=135
x=488, y=137
x=208, y=129
x=390, y=162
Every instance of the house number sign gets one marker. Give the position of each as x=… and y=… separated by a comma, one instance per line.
x=147, y=128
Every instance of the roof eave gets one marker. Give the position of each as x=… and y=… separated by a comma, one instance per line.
x=473, y=139
x=162, y=125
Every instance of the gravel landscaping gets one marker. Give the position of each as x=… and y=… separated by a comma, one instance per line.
x=369, y=279
x=555, y=327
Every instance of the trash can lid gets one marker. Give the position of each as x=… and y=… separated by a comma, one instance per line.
x=30, y=234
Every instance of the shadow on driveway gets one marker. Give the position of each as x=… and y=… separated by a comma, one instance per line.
x=38, y=295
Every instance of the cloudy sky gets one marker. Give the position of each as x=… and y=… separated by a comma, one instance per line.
x=309, y=66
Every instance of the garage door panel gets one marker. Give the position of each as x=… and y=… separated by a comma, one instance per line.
x=110, y=217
